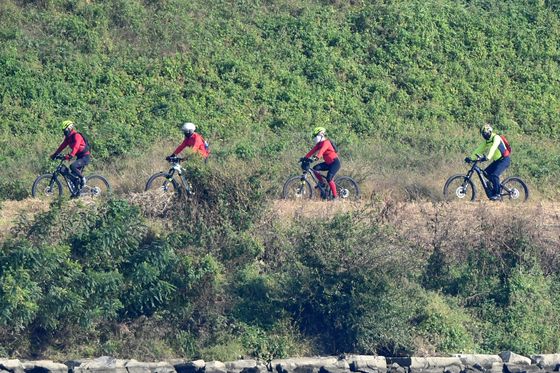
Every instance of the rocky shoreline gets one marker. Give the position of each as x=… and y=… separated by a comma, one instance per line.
x=506, y=362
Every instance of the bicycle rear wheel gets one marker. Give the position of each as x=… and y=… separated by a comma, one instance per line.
x=514, y=190
x=96, y=186
x=297, y=188
x=460, y=188
x=46, y=187
x=347, y=188
x=159, y=183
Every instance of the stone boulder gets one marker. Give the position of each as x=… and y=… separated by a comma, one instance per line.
x=248, y=365
x=134, y=366
x=367, y=363
x=11, y=365
x=428, y=364
x=215, y=367
x=310, y=365
x=44, y=366
x=513, y=358
x=481, y=362
x=103, y=364
x=514, y=363
x=484, y=361
x=521, y=368
x=184, y=366
x=550, y=362
x=395, y=368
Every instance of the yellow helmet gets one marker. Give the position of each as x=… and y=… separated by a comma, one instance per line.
x=67, y=125
x=318, y=130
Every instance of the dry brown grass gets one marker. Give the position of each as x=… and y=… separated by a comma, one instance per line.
x=456, y=229
x=12, y=211
x=444, y=225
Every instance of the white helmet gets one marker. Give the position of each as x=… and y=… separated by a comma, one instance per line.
x=188, y=128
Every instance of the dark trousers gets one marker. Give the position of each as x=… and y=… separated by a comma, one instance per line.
x=78, y=166
x=494, y=171
x=331, y=168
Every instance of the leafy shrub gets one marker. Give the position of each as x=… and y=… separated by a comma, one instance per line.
x=446, y=327
x=20, y=297
x=530, y=319
x=340, y=284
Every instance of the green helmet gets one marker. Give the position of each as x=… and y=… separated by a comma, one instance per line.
x=318, y=130
x=67, y=125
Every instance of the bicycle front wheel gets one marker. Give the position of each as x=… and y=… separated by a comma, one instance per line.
x=96, y=186
x=297, y=188
x=347, y=188
x=460, y=188
x=514, y=190
x=159, y=183
x=46, y=188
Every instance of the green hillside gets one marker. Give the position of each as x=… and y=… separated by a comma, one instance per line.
x=404, y=80
x=402, y=86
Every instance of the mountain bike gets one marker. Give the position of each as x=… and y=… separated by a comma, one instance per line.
x=49, y=186
x=171, y=182
x=461, y=187
x=299, y=187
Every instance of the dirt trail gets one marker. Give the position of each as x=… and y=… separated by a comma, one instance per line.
x=426, y=222
x=419, y=222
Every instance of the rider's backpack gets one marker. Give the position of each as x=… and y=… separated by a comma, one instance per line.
x=87, y=147
x=335, y=147
x=506, y=143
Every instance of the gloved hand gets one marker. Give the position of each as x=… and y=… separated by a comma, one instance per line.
x=53, y=156
x=483, y=158
x=67, y=157
x=468, y=160
x=169, y=157
x=304, y=160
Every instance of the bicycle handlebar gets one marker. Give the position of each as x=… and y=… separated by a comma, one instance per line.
x=305, y=163
x=175, y=159
x=479, y=159
x=307, y=160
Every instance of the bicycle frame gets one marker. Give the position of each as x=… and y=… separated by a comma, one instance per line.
x=176, y=168
x=484, y=180
x=309, y=171
x=482, y=176
x=64, y=171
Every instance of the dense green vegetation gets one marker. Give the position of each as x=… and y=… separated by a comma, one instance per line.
x=401, y=85
x=222, y=277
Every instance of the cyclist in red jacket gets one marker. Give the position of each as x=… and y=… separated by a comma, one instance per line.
x=324, y=149
x=192, y=140
x=79, y=149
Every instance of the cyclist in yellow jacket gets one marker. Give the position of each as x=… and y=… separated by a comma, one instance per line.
x=495, y=149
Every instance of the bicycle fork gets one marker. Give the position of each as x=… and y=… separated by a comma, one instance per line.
x=51, y=184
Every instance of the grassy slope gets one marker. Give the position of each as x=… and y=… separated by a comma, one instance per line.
x=401, y=85
x=405, y=80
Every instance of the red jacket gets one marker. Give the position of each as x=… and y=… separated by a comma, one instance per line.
x=325, y=150
x=196, y=142
x=76, y=143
